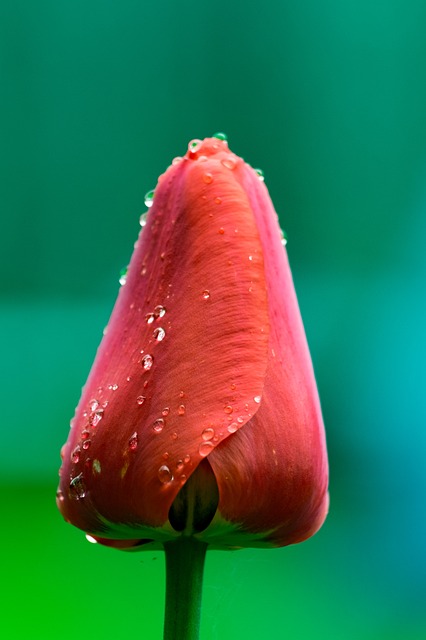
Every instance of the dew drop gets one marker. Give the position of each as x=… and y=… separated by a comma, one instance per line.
x=62, y=452
x=221, y=231
x=158, y=425
x=181, y=409
x=174, y=435
x=202, y=158
x=159, y=311
x=220, y=136
x=206, y=294
x=205, y=448
x=218, y=200
x=194, y=145
x=95, y=418
x=229, y=163
x=133, y=442
x=208, y=178
x=91, y=539
x=257, y=399
x=140, y=399
x=164, y=474
x=123, y=276
x=179, y=465
x=228, y=409
x=142, y=219
x=260, y=174
x=93, y=405
x=176, y=160
x=86, y=444
x=165, y=411
x=113, y=387
x=149, y=198
x=232, y=428
x=77, y=488
x=240, y=419
x=283, y=237
x=187, y=459
x=96, y=466
x=165, y=455
x=60, y=496
x=150, y=317
x=75, y=454
x=207, y=433
x=159, y=334
x=147, y=362
x=181, y=394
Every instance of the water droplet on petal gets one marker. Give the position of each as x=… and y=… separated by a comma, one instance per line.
x=158, y=425
x=260, y=174
x=194, y=145
x=206, y=294
x=166, y=411
x=207, y=433
x=60, y=496
x=142, y=219
x=164, y=474
x=221, y=231
x=181, y=409
x=133, y=442
x=186, y=459
x=77, y=488
x=283, y=237
x=95, y=418
x=93, y=405
x=159, y=311
x=176, y=160
x=123, y=276
x=75, y=454
x=208, y=178
x=159, y=334
x=232, y=428
x=85, y=434
x=147, y=362
x=229, y=163
x=150, y=317
x=96, y=466
x=179, y=465
x=91, y=539
x=228, y=409
x=220, y=136
x=86, y=444
x=257, y=399
x=140, y=399
x=218, y=200
x=205, y=448
x=149, y=198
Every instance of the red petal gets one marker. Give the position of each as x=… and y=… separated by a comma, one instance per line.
x=272, y=475
x=201, y=259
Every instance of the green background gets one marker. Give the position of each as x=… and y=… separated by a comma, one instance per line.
x=329, y=99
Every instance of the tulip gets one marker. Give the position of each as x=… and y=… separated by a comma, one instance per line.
x=200, y=422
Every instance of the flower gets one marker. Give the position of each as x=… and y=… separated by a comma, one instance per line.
x=200, y=415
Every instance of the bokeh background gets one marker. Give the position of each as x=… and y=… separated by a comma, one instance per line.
x=329, y=99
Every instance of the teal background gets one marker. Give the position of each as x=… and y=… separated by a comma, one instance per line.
x=329, y=99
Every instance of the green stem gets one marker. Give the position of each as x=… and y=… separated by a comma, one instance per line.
x=184, y=583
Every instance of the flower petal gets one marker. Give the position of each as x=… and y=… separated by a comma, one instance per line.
x=272, y=475
x=184, y=356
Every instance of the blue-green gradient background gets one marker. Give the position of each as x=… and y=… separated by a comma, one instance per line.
x=329, y=98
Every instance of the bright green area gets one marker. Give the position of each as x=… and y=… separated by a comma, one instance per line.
x=329, y=99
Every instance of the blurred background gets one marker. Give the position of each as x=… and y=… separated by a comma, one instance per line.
x=329, y=99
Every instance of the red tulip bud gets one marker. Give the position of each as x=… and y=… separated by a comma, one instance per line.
x=201, y=415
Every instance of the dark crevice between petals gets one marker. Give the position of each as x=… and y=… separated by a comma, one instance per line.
x=195, y=505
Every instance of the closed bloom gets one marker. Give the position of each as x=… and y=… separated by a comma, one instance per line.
x=200, y=416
